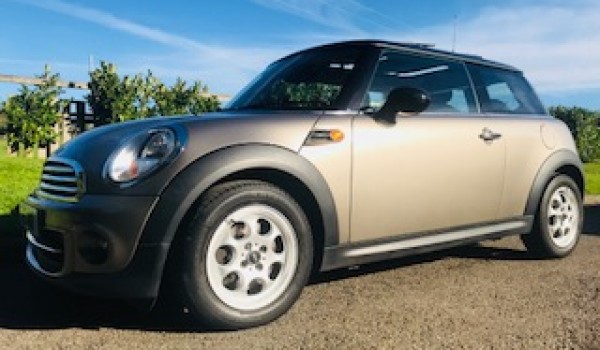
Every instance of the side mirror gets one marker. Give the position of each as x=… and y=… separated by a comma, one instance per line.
x=403, y=99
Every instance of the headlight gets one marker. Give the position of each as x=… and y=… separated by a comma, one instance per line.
x=141, y=155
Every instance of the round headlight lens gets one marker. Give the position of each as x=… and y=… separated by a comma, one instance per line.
x=141, y=156
x=124, y=166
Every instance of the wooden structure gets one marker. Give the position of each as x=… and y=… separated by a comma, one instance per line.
x=16, y=79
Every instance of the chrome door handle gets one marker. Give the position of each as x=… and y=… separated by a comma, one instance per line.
x=489, y=135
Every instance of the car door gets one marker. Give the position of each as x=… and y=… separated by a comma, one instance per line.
x=442, y=168
x=508, y=101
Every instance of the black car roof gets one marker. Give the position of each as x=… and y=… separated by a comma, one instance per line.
x=421, y=48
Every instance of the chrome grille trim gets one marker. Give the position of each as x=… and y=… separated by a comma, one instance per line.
x=58, y=169
x=62, y=180
x=35, y=243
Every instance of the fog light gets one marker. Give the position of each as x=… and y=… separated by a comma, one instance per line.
x=93, y=248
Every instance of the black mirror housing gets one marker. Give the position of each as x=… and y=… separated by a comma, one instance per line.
x=403, y=99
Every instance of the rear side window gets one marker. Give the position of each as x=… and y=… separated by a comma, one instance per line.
x=446, y=82
x=504, y=92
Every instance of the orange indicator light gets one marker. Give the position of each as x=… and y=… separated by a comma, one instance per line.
x=336, y=135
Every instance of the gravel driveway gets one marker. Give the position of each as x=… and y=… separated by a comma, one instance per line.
x=487, y=296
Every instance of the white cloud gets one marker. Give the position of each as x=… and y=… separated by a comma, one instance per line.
x=558, y=46
x=230, y=67
x=219, y=75
x=111, y=21
x=345, y=16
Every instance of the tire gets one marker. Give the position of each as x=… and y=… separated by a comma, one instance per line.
x=246, y=256
x=559, y=220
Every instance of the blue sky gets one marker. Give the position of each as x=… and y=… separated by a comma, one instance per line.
x=225, y=43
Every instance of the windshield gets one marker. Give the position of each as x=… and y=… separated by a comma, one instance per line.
x=317, y=79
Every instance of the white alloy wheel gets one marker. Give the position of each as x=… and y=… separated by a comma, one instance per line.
x=559, y=220
x=252, y=257
x=563, y=217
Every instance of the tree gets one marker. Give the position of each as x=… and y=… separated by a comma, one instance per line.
x=201, y=100
x=145, y=87
x=3, y=122
x=588, y=137
x=104, y=91
x=114, y=99
x=124, y=107
x=111, y=98
x=180, y=99
x=174, y=100
x=33, y=113
x=568, y=116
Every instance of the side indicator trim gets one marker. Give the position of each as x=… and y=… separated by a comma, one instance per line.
x=324, y=136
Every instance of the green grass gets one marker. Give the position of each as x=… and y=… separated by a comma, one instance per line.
x=18, y=177
x=592, y=178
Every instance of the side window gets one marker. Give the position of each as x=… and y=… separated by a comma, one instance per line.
x=506, y=92
x=445, y=82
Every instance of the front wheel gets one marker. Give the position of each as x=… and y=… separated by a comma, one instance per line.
x=559, y=220
x=247, y=255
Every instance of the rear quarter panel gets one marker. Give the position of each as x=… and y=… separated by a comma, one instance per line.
x=530, y=141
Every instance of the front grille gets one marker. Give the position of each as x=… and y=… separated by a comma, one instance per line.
x=62, y=180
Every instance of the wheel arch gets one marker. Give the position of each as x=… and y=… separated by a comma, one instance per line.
x=276, y=165
x=564, y=162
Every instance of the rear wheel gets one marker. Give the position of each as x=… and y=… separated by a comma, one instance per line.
x=247, y=255
x=559, y=220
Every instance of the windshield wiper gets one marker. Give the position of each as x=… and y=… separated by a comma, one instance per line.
x=258, y=105
x=240, y=108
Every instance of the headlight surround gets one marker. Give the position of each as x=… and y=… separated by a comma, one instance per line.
x=141, y=155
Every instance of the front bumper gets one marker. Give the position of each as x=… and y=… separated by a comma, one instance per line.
x=92, y=246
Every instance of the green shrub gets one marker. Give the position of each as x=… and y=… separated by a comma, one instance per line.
x=3, y=123
x=115, y=99
x=583, y=124
x=588, y=138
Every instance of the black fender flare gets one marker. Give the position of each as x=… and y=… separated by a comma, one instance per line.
x=547, y=171
x=184, y=190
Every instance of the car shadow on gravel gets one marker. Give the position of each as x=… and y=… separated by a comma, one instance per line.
x=474, y=251
x=591, y=224
x=27, y=302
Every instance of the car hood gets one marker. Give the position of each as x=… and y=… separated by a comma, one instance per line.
x=103, y=139
x=199, y=135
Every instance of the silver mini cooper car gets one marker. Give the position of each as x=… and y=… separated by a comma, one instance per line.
x=337, y=155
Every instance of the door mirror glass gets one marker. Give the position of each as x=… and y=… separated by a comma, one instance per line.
x=403, y=99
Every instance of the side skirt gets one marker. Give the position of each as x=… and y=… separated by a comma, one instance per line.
x=418, y=243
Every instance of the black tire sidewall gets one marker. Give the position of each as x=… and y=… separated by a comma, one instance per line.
x=202, y=300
